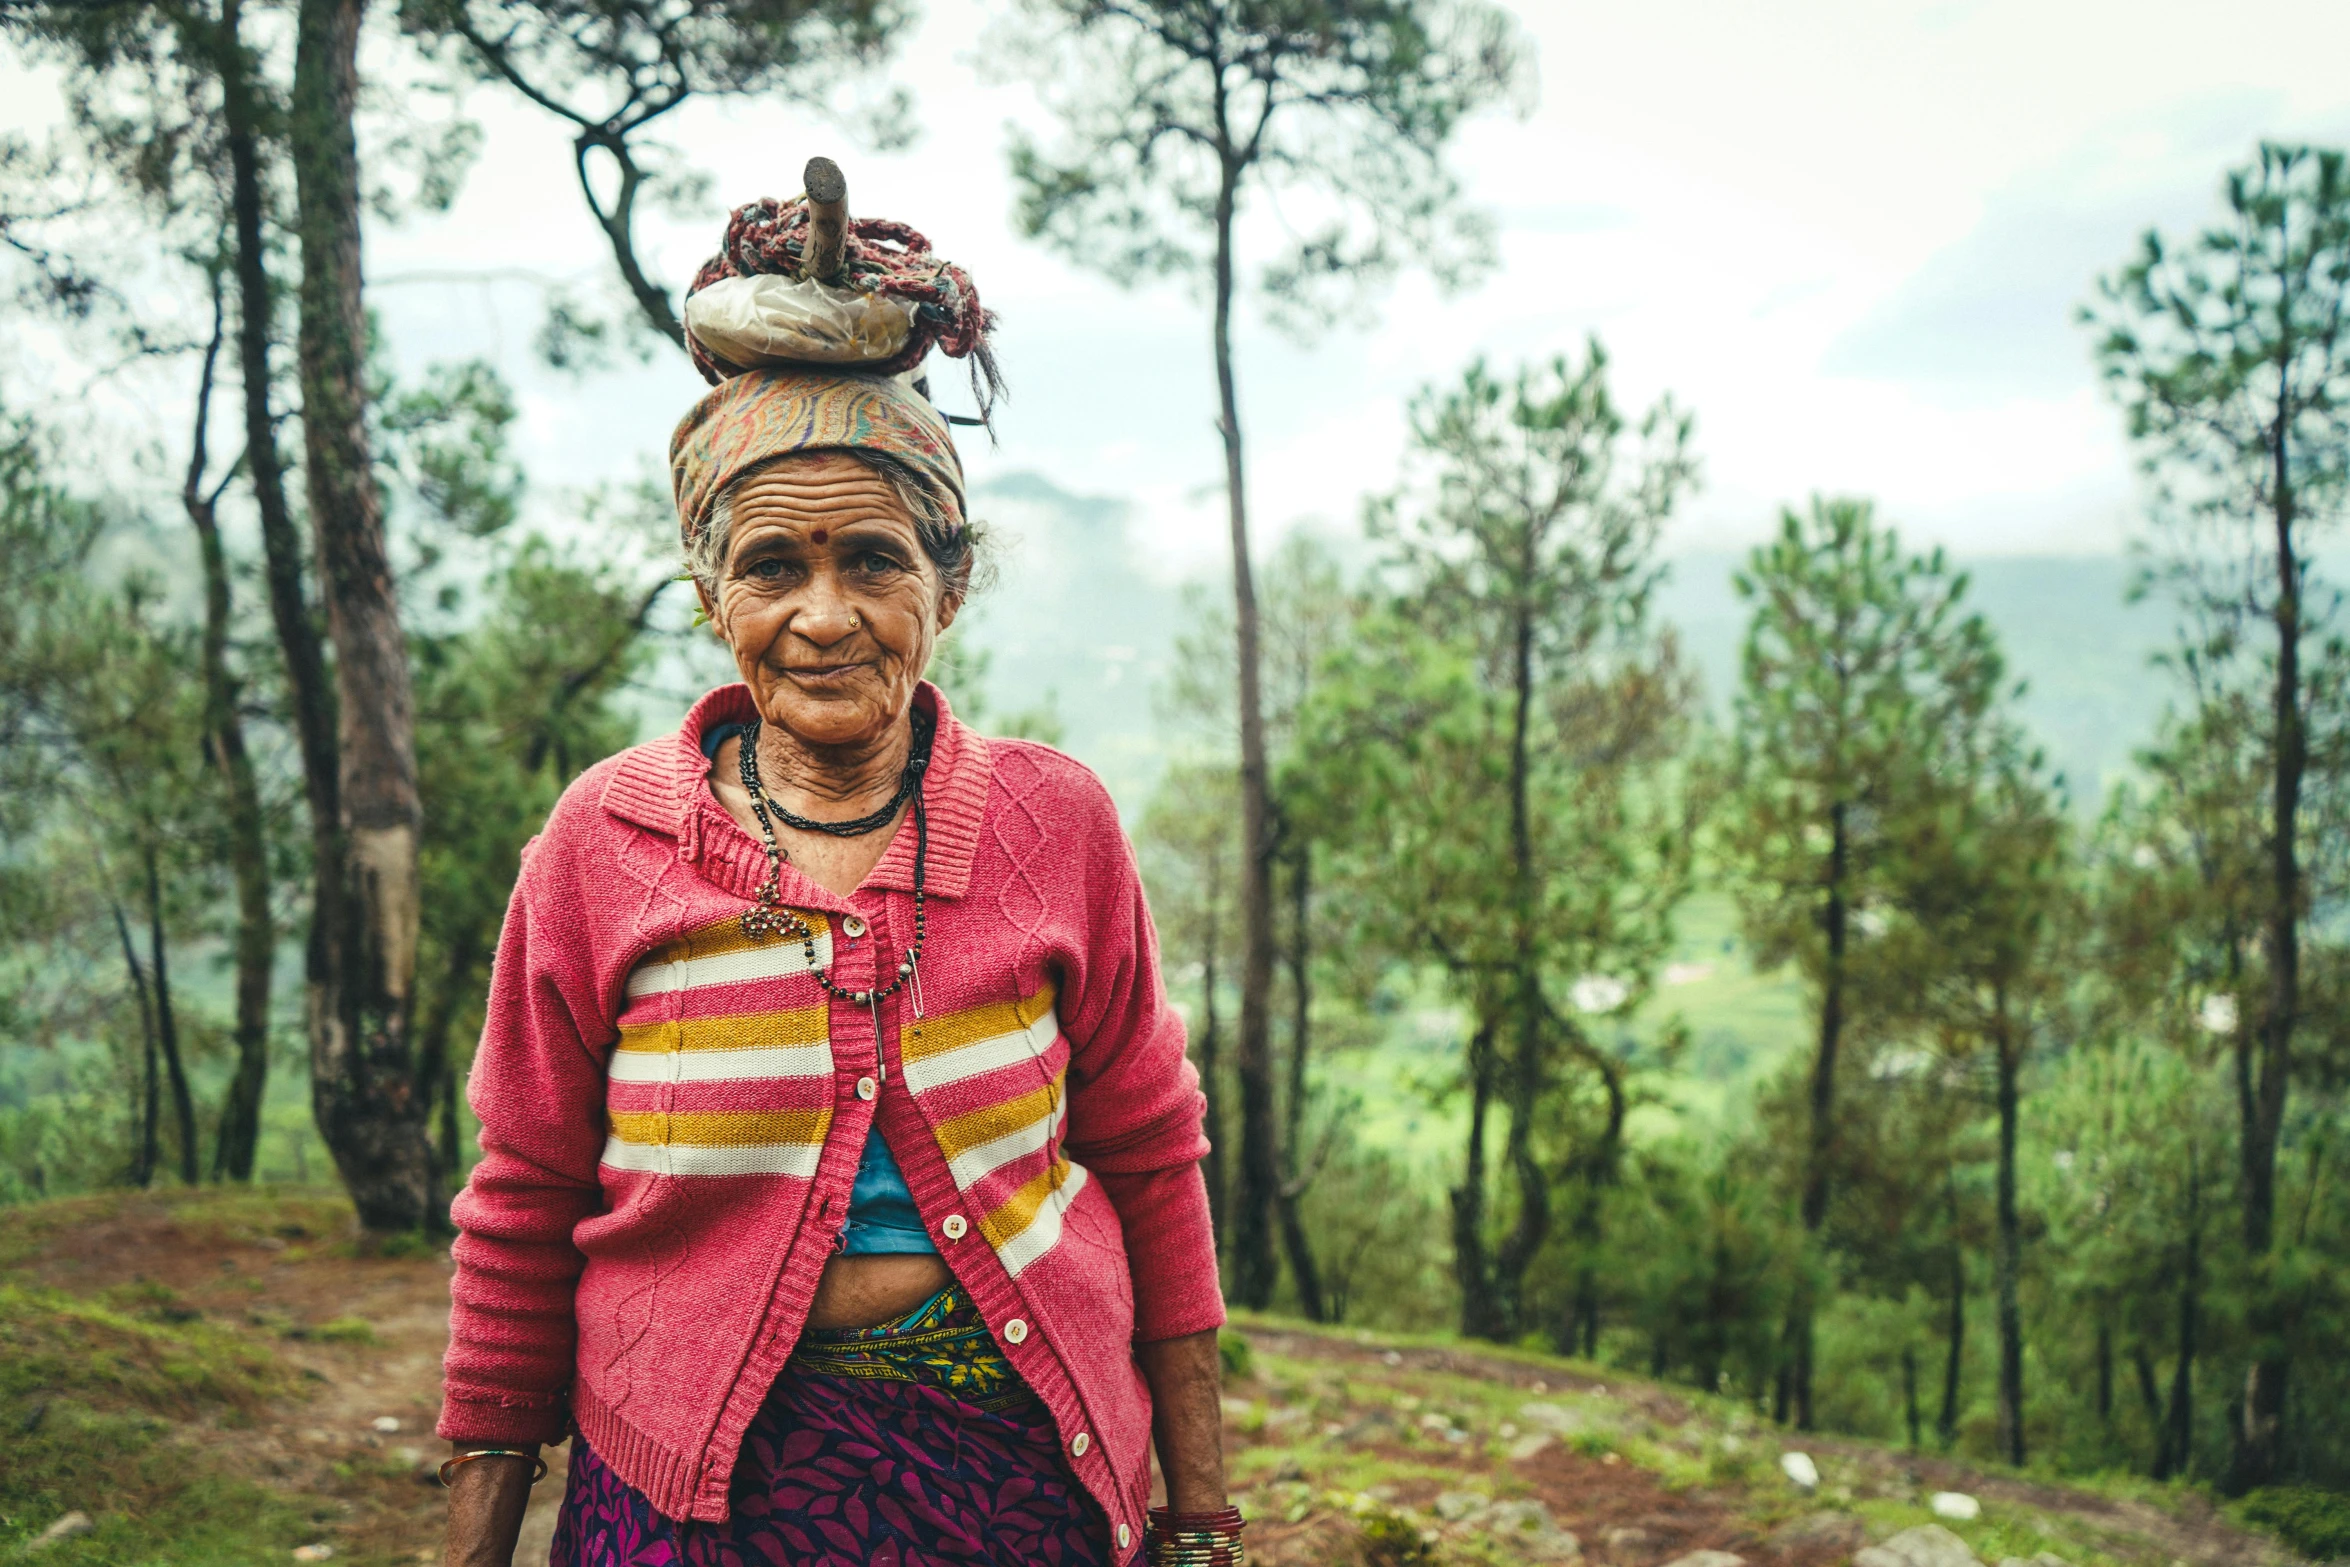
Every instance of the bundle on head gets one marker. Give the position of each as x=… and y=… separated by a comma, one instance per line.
x=800, y=282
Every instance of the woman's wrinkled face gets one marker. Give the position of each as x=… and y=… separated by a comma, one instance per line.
x=827, y=599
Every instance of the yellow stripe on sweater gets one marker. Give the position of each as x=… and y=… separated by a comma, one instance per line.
x=720, y=954
x=782, y=1030
x=719, y=1128
x=1029, y=1223
x=978, y=1128
x=953, y=1030
x=724, y=938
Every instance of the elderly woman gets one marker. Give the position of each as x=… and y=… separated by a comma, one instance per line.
x=839, y=1194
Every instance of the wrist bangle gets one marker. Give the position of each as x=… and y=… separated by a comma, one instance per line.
x=1194, y=1539
x=462, y=1459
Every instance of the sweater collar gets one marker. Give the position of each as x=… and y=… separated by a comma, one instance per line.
x=664, y=788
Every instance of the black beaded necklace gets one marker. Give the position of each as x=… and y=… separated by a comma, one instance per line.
x=771, y=918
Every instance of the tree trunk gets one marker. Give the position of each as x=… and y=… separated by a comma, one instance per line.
x=435, y=1070
x=1526, y=1078
x=2009, y=1252
x=167, y=1033
x=1479, y=1311
x=1909, y=1396
x=2260, y=1429
x=1303, y=1271
x=248, y=843
x=313, y=699
x=1946, y=1427
x=362, y=1080
x=1254, y=1261
x=149, y=1106
x=2104, y=1373
x=1211, y=1076
x=1820, y=1150
x=2179, y=1439
x=2155, y=1416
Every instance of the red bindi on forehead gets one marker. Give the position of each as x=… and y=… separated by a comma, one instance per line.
x=819, y=536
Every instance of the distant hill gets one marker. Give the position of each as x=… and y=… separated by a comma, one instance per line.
x=1079, y=621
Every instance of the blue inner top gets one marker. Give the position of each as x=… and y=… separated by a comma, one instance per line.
x=882, y=1215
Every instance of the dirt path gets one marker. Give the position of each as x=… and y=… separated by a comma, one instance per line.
x=1335, y=1433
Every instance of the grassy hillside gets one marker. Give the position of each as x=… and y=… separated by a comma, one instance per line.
x=217, y=1379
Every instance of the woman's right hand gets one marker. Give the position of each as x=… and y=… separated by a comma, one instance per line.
x=487, y=1498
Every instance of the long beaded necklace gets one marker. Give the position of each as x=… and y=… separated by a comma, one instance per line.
x=771, y=918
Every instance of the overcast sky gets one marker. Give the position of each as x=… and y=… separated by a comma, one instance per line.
x=1850, y=237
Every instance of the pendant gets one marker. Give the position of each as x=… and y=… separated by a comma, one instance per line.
x=770, y=918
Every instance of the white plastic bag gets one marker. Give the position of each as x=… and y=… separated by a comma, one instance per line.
x=771, y=319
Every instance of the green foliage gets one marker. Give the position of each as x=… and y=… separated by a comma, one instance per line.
x=447, y=439
x=1489, y=755
x=2315, y=1523
x=1861, y=675
x=1232, y=1353
x=1392, y=1539
x=344, y=1330
x=2228, y=357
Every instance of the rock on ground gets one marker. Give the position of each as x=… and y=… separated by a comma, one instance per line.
x=1525, y=1525
x=1834, y=1530
x=1799, y=1468
x=1928, y=1545
x=1708, y=1559
x=1956, y=1505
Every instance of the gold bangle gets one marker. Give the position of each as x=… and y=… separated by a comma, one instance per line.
x=462, y=1459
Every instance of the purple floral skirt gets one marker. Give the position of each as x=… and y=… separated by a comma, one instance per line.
x=907, y=1445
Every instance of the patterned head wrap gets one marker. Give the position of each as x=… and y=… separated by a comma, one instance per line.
x=747, y=419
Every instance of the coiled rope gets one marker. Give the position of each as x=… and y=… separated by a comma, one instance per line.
x=881, y=256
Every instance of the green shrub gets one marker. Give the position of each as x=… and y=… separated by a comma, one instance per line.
x=1233, y=1351
x=344, y=1330
x=1393, y=1540
x=2315, y=1523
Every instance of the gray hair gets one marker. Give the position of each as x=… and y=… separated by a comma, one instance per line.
x=953, y=547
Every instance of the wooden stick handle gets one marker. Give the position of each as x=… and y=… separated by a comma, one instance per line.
x=828, y=220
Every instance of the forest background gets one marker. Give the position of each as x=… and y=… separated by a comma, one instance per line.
x=1695, y=924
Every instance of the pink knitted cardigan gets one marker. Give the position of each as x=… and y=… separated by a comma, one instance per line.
x=672, y=1114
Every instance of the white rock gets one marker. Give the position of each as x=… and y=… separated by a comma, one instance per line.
x=1531, y=1443
x=1799, y=1468
x=73, y=1523
x=1956, y=1505
x=1391, y=1358
x=1707, y=1559
x=1453, y=1506
x=384, y=1424
x=314, y=1553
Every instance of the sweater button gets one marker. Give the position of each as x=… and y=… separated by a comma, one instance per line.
x=1125, y=1537
x=1078, y=1444
x=867, y=1088
x=1015, y=1332
x=852, y=927
x=954, y=1227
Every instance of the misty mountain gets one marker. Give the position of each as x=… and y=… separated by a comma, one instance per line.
x=1078, y=623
